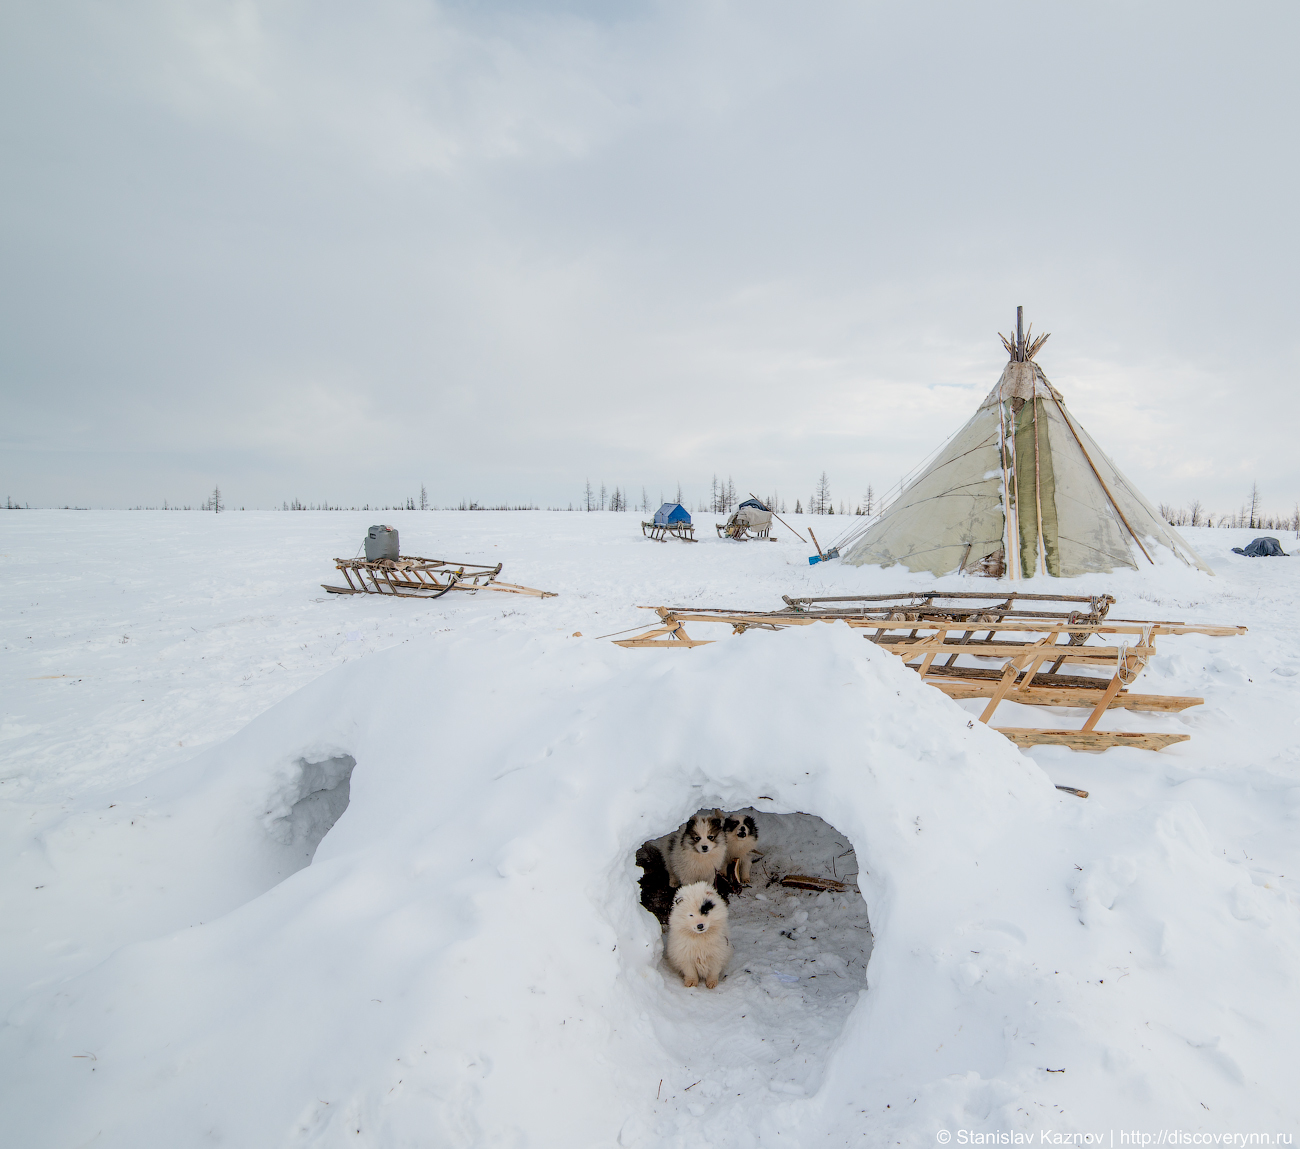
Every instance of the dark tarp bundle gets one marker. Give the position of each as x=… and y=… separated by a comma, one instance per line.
x=1267, y=547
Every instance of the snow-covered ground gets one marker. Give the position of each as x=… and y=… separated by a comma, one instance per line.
x=465, y=961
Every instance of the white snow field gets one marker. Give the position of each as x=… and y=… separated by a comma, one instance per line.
x=464, y=960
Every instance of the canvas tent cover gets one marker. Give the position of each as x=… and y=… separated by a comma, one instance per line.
x=671, y=513
x=1021, y=489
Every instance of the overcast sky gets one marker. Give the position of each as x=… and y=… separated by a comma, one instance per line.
x=331, y=250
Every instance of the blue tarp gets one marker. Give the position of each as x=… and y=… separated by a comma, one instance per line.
x=755, y=504
x=672, y=513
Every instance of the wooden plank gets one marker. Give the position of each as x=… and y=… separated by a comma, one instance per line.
x=340, y=590
x=666, y=637
x=808, y=882
x=1008, y=679
x=1075, y=654
x=1082, y=699
x=1025, y=625
x=1102, y=703
x=1092, y=740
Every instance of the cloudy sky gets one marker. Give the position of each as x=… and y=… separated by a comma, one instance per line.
x=328, y=250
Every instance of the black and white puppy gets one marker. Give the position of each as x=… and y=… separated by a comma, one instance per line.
x=742, y=845
x=698, y=851
x=698, y=945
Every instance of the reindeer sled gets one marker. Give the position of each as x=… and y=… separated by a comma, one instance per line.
x=670, y=519
x=1000, y=647
x=384, y=571
x=750, y=520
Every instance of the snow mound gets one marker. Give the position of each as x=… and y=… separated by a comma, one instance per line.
x=465, y=961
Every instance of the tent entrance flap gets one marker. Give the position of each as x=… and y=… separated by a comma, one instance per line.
x=1035, y=489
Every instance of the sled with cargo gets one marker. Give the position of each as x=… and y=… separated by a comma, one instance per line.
x=384, y=571
x=670, y=520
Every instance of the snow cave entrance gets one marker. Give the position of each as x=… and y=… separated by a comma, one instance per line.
x=312, y=801
x=798, y=965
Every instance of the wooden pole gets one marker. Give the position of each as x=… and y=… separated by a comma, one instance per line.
x=1020, y=335
x=1038, y=486
x=1102, y=481
x=782, y=521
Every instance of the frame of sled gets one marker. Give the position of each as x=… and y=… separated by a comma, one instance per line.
x=940, y=628
x=416, y=577
x=742, y=531
x=660, y=531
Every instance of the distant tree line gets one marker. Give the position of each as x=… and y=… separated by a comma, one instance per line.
x=1249, y=515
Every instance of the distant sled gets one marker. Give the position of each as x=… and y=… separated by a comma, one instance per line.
x=750, y=520
x=384, y=571
x=670, y=519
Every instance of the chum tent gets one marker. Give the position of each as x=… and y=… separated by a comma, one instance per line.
x=1022, y=489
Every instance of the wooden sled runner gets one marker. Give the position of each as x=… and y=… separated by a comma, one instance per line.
x=661, y=532
x=415, y=577
x=1032, y=636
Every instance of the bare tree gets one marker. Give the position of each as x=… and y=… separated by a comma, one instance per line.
x=214, y=501
x=424, y=498
x=823, y=496
x=1197, y=512
x=679, y=491
x=798, y=507
x=1254, y=505
x=588, y=496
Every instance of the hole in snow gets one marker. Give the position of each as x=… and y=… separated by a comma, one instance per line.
x=316, y=800
x=799, y=961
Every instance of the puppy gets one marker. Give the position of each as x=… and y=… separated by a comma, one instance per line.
x=698, y=850
x=698, y=945
x=742, y=844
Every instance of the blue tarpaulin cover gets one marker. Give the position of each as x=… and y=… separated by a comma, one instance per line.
x=672, y=513
x=755, y=504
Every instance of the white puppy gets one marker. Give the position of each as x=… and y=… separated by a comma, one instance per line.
x=742, y=844
x=698, y=945
x=698, y=850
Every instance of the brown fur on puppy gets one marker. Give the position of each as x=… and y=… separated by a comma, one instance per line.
x=698, y=945
x=742, y=844
x=698, y=850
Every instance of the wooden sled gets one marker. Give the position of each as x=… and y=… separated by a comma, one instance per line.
x=660, y=531
x=741, y=531
x=1030, y=671
x=415, y=577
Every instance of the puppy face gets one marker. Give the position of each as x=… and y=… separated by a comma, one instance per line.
x=693, y=919
x=703, y=834
x=742, y=829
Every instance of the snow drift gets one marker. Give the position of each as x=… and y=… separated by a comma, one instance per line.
x=465, y=961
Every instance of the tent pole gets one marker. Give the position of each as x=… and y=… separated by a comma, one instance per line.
x=1102, y=481
x=1038, y=487
x=1006, y=485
